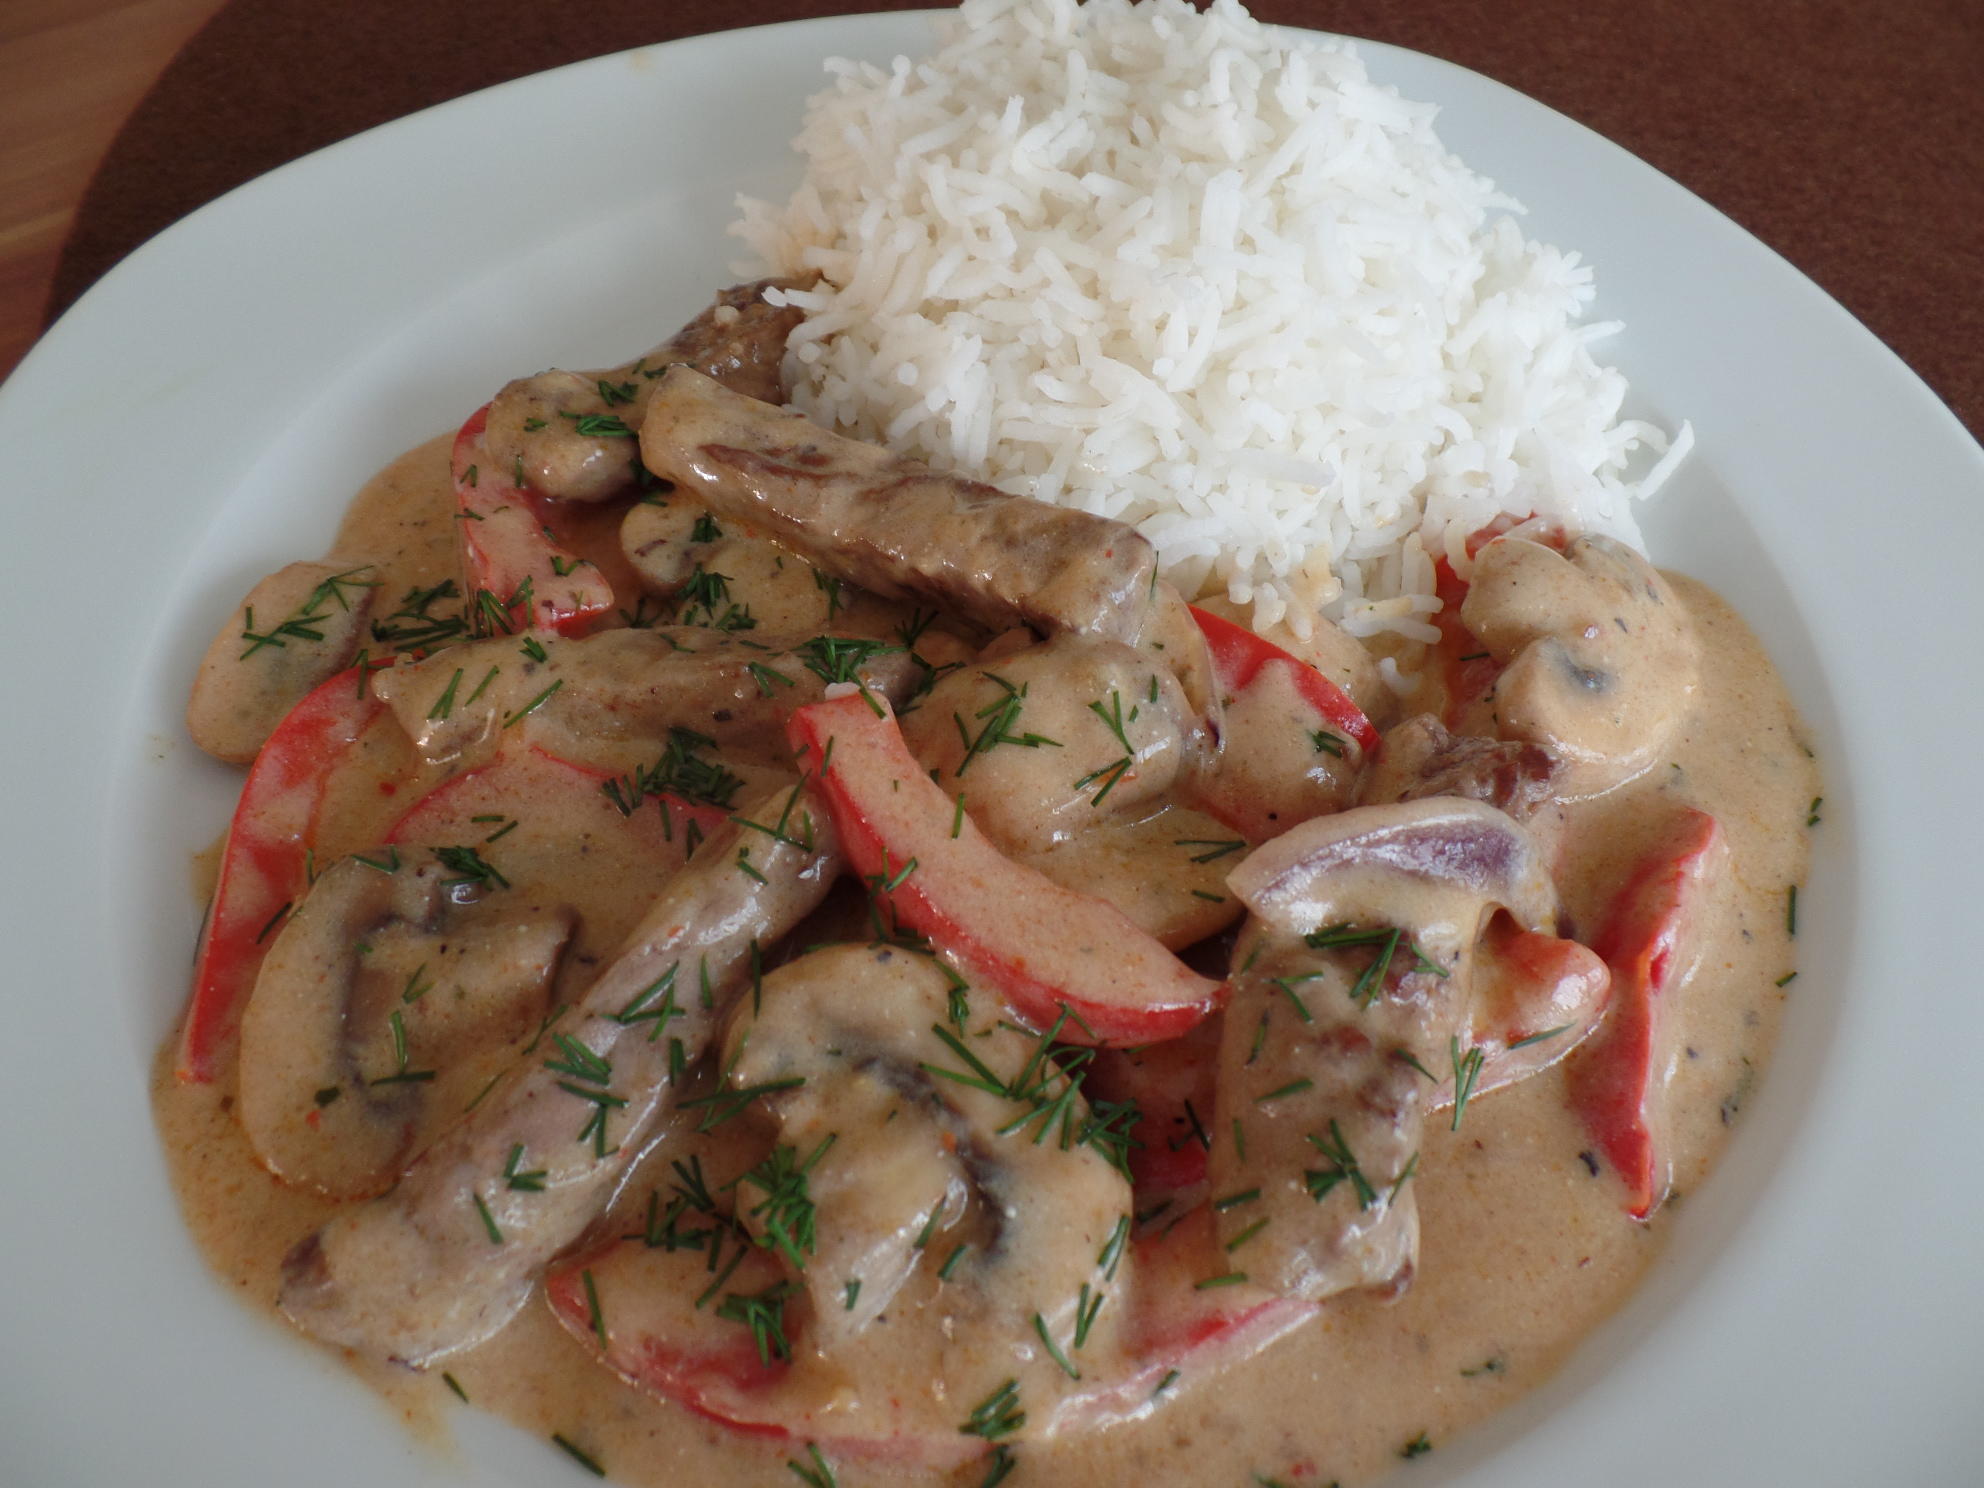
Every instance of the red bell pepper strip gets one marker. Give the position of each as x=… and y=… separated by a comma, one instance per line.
x=1040, y=946
x=264, y=866
x=1467, y=671
x=536, y=778
x=1535, y=999
x=1466, y=668
x=1174, y=1316
x=1528, y=984
x=659, y=1339
x=1238, y=655
x=1173, y=1087
x=1615, y=1081
x=634, y=1306
x=509, y=548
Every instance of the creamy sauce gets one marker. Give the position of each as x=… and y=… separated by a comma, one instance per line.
x=1524, y=1249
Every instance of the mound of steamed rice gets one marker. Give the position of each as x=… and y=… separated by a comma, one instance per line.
x=1206, y=277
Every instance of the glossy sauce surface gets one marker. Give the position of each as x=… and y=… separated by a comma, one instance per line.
x=1524, y=1243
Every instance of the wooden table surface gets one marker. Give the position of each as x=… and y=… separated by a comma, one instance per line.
x=71, y=71
x=1847, y=135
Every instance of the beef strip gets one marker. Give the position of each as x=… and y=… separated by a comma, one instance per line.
x=1350, y=988
x=1421, y=759
x=894, y=527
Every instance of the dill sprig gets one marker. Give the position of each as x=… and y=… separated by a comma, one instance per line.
x=997, y=1415
x=819, y=1475
x=681, y=771
x=417, y=625
x=597, y=425
x=1467, y=1070
x=835, y=659
x=1110, y=774
x=306, y=621
x=764, y=1314
x=999, y=716
x=470, y=868
x=1215, y=847
x=1389, y=940
x=1343, y=1168
x=1048, y=1088
x=786, y=1214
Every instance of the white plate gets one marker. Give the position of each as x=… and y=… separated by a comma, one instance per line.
x=203, y=414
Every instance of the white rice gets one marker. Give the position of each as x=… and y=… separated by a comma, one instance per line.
x=1203, y=276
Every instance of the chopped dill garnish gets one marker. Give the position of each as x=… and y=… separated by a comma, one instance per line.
x=578, y=1454
x=305, y=622
x=597, y=426
x=999, y=716
x=681, y=771
x=1343, y=1167
x=1467, y=1069
x=488, y=1221
x=533, y=705
x=764, y=1314
x=997, y=1415
x=819, y=1475
x=1053, y=1348
x=470, y=868
x=1216, y=847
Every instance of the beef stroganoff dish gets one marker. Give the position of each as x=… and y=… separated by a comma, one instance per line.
x=1066, y=840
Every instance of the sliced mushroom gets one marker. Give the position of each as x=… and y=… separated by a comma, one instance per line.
x=745, y=579
x=448, y=1256
x=567, y=432
x=297, y=628
x=1164, y=871
x=385, y=998
x=724, y=578
x=1048, y=742
x=1350, y=992
x=913, y=1166
x=1600, y=656
x=1275, y=768
x=665, y=539
x=900, y=1391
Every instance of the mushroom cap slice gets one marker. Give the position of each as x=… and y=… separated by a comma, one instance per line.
x=1092, y=731
x=1600, y=655
x=566, y=433
x=1454, y=855
x=297, y=628
x=383, y=988
x=918, y=1158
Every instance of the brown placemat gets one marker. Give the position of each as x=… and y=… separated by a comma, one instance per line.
x=1848, y=136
